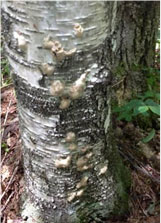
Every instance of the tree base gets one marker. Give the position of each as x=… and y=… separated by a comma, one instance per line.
x=29, y=212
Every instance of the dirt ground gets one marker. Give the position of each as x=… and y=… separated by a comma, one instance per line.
x=142, y=160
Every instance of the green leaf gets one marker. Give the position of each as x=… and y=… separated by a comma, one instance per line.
x=128, y=106
x=149, y=137
x=157, y=95
x=3, y=145
x=140, y=109
x=125, y=116
x=134, y=102
x=146, y=114
x=155, y=109
x=153, y=106
x=121, y=116
x=149, y=94
x=128, y=118
x=131, y=105
x=117, y=109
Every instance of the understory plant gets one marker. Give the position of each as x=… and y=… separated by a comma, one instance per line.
x=143, y=109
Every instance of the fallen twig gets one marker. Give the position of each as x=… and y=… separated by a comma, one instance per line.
x=14, y=172
x=118, y=82
x=4, y=219
x=3, y=158
x=7, y=201
x=6, y=86
x=139, y=166
x=6, y=116
x=142, y=208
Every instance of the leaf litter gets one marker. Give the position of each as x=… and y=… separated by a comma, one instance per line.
x=11, y=162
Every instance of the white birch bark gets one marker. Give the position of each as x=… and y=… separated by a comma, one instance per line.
x=66, y=182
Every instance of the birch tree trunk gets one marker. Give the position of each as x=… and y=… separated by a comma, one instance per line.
x=62, y=54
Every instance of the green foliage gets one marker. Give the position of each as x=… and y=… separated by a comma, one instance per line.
x=120, y=70
x=5, y=70
x=5, y=147
x=153, y=78
x=5, y=77
x=144, y=105
x=143, y=108
x=152, y=75
x=150, y=136
x=5, y=67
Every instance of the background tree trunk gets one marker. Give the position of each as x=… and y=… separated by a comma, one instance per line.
x=134, y=28
x=115, y=33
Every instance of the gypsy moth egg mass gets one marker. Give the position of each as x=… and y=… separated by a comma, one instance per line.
x=70, y=137
x=80, y=193
x=88, y=155
x=57, y=88
x=73, y=146
x=63, y=163
x=70, y=52
x=81, y=161
x=65, y=103
x=103, y=170
x=47, y=69
x=71, y=196
x=22, y=43
x=78, y=30
x=84, y=167
x=59, y=53
x=48, y=43
x=82, y=183
x=57, y=44
x=85, y=149
x=75, y=91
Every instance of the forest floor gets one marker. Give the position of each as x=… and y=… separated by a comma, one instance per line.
x=143, y=160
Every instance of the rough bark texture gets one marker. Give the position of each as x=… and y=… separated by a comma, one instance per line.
x=114, y=33
x=134, y=27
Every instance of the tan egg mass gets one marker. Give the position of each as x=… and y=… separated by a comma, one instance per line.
x=65, y=103
x=82, y=183
x=57, y=88
x=70, y=137
x=63, y=163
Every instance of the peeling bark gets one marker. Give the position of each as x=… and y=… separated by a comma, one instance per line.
x=53, y=170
